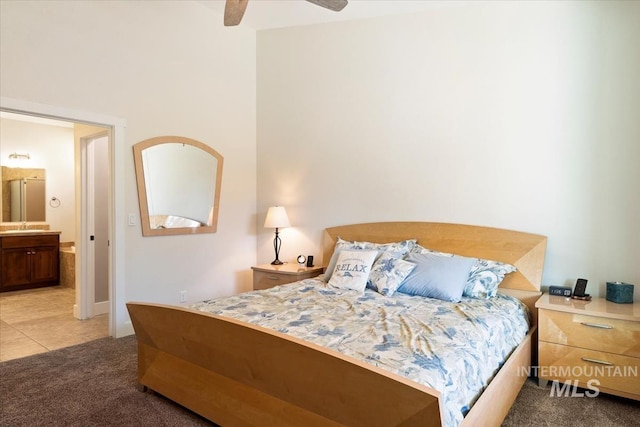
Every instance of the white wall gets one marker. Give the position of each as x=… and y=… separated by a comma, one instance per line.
x=518, y=115
x=166, y=68
x=50, y=148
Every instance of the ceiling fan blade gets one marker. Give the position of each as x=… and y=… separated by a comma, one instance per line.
x=233, y=12
x=335, y=5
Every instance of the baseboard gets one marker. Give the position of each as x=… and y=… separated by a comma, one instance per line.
x=98, y=308
x=101, y=307
x=125, y=330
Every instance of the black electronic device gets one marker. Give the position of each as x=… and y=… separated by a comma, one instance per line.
x=581, y=287
x=562, y=291
x=309, y=260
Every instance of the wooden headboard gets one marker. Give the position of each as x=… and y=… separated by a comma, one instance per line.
x=524, y=250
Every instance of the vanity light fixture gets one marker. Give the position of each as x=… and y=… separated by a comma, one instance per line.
x=277, y=218
x=19, y=156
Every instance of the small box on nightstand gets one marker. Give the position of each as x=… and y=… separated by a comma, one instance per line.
x=620, y=293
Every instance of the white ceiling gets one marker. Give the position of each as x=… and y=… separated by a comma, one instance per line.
x=265, y=14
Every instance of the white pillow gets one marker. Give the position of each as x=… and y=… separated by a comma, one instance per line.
x=352, y=269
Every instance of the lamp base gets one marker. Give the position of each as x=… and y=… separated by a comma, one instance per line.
x=276, y=247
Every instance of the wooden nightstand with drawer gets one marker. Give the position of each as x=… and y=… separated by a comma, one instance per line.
x=590, y=340
x=267, y=276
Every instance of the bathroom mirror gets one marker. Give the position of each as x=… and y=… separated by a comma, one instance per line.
x=179, y=182
x=23, y=195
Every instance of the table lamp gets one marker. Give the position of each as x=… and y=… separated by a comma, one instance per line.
x=276, y=218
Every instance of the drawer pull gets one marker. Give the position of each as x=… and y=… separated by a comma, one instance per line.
x=597, y=325
x=272, y=277
x=600, y=362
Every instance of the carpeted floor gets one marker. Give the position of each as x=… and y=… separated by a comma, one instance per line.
x=92, y=384
x=535, y=407
x=95, y=384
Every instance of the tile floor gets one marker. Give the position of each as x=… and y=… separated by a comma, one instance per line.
x=38, y=320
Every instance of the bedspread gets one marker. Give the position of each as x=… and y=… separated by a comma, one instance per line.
x=455, y=348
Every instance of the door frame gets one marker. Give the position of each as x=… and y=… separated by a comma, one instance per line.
x=119, y=324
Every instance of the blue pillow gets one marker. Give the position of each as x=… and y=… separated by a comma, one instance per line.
x=437, y=276
x=484, y=278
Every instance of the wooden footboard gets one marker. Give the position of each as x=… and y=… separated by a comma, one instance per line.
x=235, y=373
x=494, y=403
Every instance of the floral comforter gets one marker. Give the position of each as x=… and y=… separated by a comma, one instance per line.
x=455, y=348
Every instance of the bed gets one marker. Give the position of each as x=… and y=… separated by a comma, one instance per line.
x=235, y=372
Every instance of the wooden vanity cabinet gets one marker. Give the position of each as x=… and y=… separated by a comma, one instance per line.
x=29, y=261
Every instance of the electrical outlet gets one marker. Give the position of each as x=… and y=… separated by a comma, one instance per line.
x=183, y=296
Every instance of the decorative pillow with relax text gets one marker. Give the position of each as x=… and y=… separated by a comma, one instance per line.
x=352, y=269
x=388, y=272
x=398, y=248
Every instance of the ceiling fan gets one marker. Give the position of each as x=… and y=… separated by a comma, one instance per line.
x=234, y=9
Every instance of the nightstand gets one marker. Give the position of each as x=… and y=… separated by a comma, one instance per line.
x=266, y=276
x=590, y=340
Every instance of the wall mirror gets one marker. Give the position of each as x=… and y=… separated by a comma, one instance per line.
x=179, y=182
x=23, y=195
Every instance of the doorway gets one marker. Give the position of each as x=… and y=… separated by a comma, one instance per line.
x=38, y=320
x=119, y=323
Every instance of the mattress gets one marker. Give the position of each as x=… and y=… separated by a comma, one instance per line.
x=455, y=348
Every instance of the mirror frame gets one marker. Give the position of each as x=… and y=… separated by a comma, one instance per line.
x=142, y=188
x=13, y=173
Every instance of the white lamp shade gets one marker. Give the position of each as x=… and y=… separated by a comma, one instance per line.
x=276, y=218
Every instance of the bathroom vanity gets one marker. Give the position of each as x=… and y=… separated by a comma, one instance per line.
x=29, y=259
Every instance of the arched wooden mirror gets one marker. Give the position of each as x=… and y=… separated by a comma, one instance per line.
x=179, y=183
